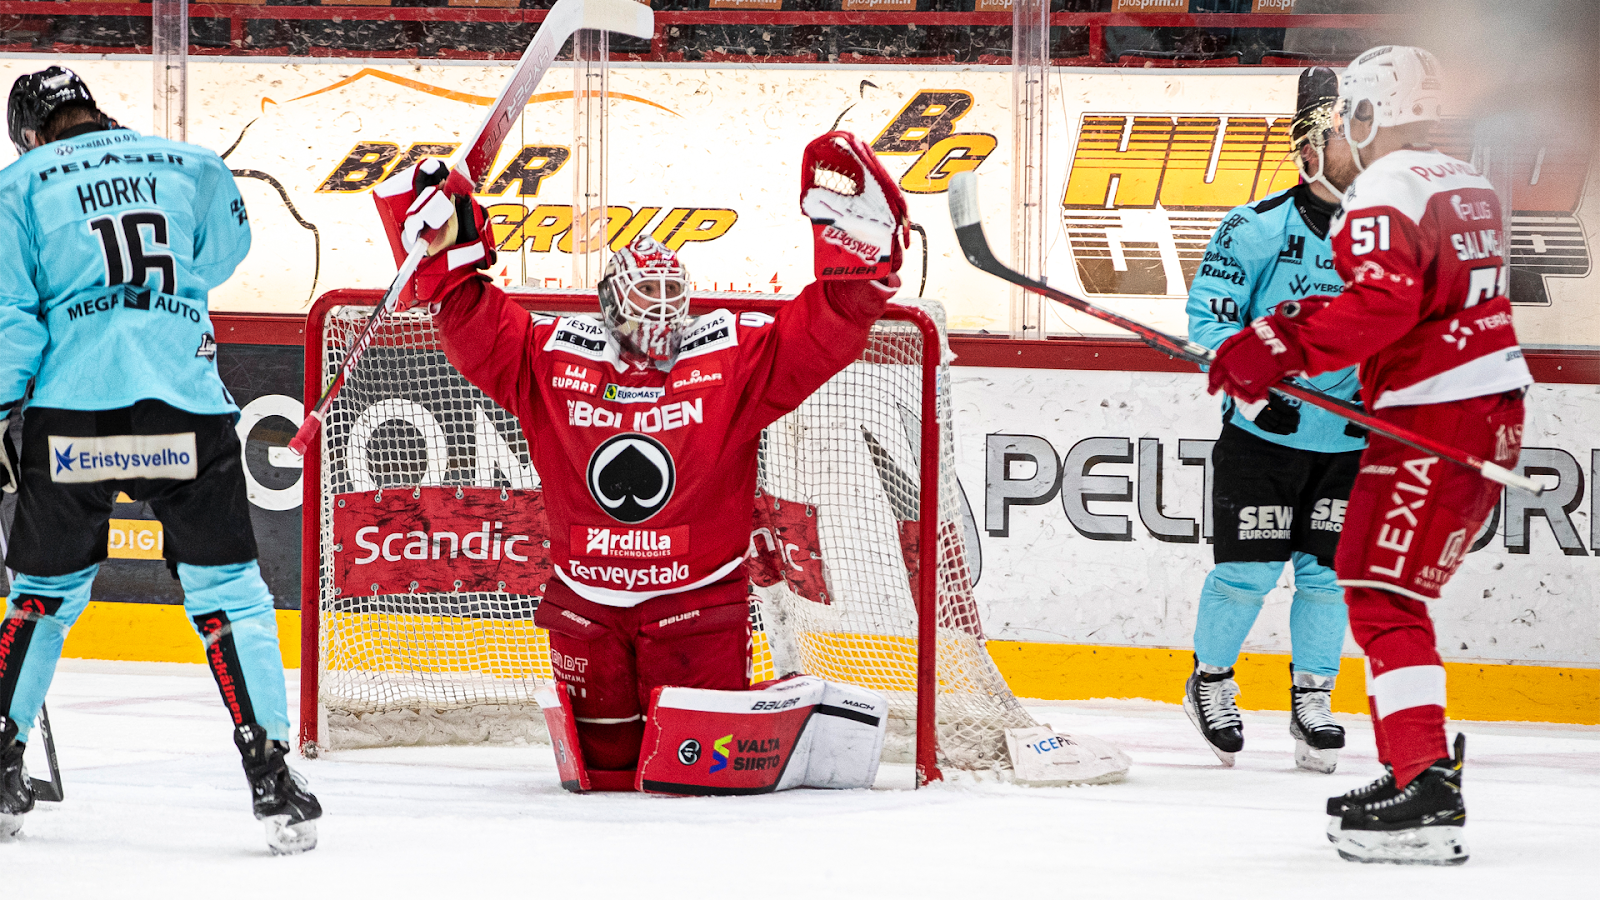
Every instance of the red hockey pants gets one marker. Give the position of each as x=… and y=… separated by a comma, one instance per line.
x=1411, y=519
x=611, y=658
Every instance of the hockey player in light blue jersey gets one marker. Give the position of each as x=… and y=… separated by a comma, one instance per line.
x=1283, y=473
x=113, y=241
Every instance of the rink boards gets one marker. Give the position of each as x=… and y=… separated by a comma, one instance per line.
x=1087, y=579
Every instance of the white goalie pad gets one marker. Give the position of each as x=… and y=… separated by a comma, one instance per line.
x=846, y=733
x=1041, y=757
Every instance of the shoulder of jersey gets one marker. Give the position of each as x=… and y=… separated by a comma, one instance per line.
x=583, y=336
x=719, y=330
x=1407, y=180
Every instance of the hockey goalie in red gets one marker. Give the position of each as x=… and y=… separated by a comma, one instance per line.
x=1419, y=242
x=644, y=425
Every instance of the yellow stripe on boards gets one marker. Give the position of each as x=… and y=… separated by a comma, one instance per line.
x=1475, y=691
x=156, y=632
x=153, y=632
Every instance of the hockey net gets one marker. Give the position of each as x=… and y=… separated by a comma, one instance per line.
x=838, y=546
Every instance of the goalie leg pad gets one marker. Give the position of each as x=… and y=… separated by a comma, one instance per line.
x=592, y=655
x=563, y=728
x=799, y=732
x=846, y=737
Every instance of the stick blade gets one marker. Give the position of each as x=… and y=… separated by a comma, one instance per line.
x=621, y=16
x=964, y=199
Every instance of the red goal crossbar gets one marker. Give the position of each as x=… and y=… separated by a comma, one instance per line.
x=584, y=302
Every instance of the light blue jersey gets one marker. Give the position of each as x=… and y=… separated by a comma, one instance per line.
x=1263, y=254
x=113, y=241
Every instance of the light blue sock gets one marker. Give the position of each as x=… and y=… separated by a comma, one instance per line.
x=1317, y=617
x=1230, y=600
x=37, y=667
x=239, y=591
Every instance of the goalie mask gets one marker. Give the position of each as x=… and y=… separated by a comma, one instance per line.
x=36, y=97
x=1313, y=124
x=644, y=297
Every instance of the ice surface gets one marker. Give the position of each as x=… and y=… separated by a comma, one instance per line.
x=156, y=807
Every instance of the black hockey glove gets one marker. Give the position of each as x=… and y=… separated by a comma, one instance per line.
x=1279, y=416
x=1351, y=429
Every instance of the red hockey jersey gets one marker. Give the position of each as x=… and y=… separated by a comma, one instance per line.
x=649, y=477
x=1420, y=243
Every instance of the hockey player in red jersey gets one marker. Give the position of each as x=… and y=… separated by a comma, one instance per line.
x=1419, y=242
x=644, y=426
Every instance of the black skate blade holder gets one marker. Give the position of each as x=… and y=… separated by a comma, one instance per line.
x=51, y=791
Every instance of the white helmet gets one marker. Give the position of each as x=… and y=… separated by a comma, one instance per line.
x=1389, y=86
x=644, y=297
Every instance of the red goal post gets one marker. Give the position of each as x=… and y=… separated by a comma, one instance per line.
x=367, y=657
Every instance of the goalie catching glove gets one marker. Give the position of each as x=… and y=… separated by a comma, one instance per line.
x=858, y=216
x=455, y=228
x=1248, y=364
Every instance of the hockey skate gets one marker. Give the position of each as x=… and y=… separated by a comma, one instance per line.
x=1317, y=737
x=279, y=794
x=1420, y=825
x=1381, y=789
x=16, y=789
x=1208, y=699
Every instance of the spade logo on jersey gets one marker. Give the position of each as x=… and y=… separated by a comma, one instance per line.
x=631, y=476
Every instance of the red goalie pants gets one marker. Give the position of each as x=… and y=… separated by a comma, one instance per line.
x=1411, y=520
x=610, y=658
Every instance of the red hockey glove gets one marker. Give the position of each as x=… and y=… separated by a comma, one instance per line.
x=455, y=227
x=1248, y=364
x=858, y=216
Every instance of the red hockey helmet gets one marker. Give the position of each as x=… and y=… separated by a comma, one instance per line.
x=644, y=297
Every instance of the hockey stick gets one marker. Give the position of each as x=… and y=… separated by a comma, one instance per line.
x=53, y=790
x=476, y=154
x=969, y=232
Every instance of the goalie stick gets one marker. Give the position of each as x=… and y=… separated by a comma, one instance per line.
x=476, y=154
x=968, y=224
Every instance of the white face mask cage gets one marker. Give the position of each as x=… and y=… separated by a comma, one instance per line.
x=651, y=306
x=1365, y=112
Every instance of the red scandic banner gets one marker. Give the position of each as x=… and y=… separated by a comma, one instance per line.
x=440, y=540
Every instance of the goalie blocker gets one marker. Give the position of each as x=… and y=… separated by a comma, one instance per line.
x=798, y=732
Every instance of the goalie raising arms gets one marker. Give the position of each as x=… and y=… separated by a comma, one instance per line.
x=644, y=426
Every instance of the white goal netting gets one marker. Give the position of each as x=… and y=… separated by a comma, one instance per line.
x=835, y=550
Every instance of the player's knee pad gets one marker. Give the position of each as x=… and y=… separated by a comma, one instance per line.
x=1244, y=582
x=231, y=608
x=37, y=616
x=1315, y=581
x=799, y=732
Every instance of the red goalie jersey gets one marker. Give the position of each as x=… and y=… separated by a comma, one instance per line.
x=649, y=476
x=1420, y=242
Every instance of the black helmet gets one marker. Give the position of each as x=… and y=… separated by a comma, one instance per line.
x=37, y=96
x=1313, y=108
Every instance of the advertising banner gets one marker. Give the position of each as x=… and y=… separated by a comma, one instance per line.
x=1141, y=166
x=1096, y=526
